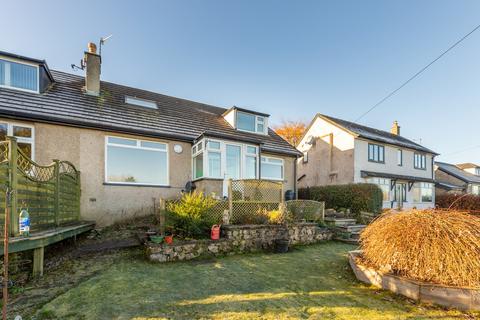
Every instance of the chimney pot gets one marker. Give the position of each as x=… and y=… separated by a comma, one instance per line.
x=92, y=47
x=395, y=128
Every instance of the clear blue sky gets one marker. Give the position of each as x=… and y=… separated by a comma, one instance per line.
x=289, y=59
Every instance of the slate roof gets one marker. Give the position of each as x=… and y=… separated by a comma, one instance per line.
x=467, y=165
x=178, y=119
x=375, y=134
x=458, y=173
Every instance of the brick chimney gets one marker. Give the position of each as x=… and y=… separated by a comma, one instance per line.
x=395, y=128
x=92, y=70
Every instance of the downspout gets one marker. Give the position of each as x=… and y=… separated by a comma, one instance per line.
x=295, y=189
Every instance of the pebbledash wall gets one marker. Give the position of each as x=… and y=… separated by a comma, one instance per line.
x=106, y=203
x=237, y=239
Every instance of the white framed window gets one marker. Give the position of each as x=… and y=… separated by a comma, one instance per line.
x=384, y=185
x=251, y=122
x=219, y=159
x=419, y=161
x=25, y=135
x=141, y=102
x=136, y=162
x=305, y=157
x=251, y=166
x=376, y=153
x=476, y=189
x=271, y=168
x=19, y=76
x=423, y=192
x=477, y=171
x=400, y=157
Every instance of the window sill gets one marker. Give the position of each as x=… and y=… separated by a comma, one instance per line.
x=122, y=184
x=206, y=178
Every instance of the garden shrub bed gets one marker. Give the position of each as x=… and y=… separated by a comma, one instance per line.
x=356, y=197
x=468, y=202
x=237, y=239
x=462, y=298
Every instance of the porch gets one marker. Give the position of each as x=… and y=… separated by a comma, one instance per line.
x=49, y=194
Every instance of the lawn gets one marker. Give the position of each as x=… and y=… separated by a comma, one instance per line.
x=310, y=282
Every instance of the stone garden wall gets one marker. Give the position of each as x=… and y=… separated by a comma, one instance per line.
x=238, y=239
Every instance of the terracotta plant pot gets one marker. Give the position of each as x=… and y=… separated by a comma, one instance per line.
x=168, y=239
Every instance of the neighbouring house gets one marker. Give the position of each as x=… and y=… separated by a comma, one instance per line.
x=336, y=151
x=133, y=146
x=460, y=178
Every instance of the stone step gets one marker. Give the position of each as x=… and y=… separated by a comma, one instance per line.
x=355, y=235
x=340, y=221
x=352, y=228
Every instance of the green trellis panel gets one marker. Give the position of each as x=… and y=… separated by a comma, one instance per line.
x=51, y=194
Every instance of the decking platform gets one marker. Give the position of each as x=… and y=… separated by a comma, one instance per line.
x=37, y=241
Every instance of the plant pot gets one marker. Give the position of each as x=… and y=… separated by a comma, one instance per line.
x=168, y=239
x=156, y=239
x=281, y=245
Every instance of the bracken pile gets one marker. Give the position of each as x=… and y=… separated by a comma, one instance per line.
x=435, y=246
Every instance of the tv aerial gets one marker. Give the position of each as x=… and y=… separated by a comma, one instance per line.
x=82, y=64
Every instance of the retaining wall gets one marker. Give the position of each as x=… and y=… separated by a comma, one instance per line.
x=237, y=239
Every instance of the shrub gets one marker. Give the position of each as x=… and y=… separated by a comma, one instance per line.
x=458, y=202
x=358, y=197
x=431, y=245
x=190, y=215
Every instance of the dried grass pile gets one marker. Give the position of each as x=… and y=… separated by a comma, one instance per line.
x=436, y=246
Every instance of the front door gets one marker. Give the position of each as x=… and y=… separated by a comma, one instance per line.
x=400, y=194
x=233, y=165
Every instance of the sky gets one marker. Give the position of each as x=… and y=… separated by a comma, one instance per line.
x=290, y=59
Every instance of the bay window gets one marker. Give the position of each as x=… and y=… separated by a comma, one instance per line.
x=18, y=75
x=423, y=192
x=384, y=185
x=130, y=161
x=24, y=135
x=220, y=159
x=272, y=168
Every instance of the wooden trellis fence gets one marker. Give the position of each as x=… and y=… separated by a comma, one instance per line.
x=51, y=194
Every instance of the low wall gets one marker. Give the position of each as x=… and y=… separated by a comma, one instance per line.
x=456, y=297
x=237, y=239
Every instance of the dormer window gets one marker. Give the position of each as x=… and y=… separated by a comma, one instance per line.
x=18, y=76
x=251, y=122
x=141, y=102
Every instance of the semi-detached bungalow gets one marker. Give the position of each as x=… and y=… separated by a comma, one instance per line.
x=336, y=151
x=132, y=145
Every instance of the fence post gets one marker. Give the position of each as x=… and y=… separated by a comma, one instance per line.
x=162, y=209
x=230, y=197
x=79, y=194
x=13, y=176
x=56, y=175
x=282, y=194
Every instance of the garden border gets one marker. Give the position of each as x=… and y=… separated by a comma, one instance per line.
x=448, y=296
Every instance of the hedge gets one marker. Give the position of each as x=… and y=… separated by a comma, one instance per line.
x=468, y=202
x=356, y=197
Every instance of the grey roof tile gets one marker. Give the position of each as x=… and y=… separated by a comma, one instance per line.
x=457, y=172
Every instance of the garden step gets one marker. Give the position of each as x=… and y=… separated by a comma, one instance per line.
x=355, y=235
x=340, y=221
x=352, y=228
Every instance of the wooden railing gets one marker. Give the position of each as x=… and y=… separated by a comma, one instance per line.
x=50, y=194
